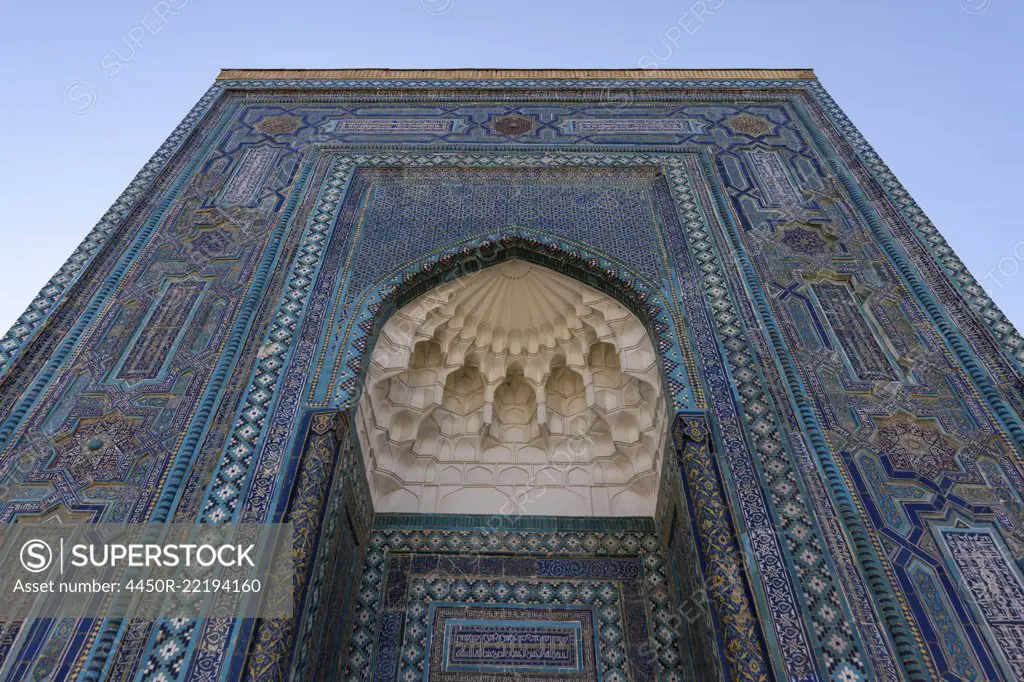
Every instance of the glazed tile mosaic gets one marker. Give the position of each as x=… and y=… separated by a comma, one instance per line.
x=840, y=496
x=449, y=605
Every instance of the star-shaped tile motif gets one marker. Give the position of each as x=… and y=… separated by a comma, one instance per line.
x=513, y=125
x=916, y=446
x=278, y=125
x=748, y=124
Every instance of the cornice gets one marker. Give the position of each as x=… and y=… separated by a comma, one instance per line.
x=505, y=74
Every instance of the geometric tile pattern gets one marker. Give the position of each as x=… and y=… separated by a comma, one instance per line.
x=609, y=586
x=857, y=486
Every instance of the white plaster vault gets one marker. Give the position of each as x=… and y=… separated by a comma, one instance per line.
x=514, y=390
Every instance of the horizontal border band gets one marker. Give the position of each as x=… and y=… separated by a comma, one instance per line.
x=502, y=74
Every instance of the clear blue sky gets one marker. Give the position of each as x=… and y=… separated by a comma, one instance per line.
x=935, y=85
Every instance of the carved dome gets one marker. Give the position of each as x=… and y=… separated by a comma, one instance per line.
x=513, y=390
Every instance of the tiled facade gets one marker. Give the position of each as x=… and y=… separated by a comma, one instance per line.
x=842, y=494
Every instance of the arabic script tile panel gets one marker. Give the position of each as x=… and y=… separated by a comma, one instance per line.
x=843, y=496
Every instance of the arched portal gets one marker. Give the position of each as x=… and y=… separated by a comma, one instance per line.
x=513, y=389
x=650, y=300
x=588, y=287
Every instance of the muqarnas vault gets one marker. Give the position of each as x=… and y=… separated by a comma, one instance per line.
x=582, y=375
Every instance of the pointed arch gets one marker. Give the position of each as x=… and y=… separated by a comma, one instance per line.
x=598, y=270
